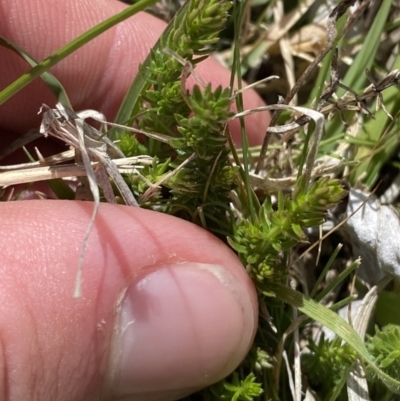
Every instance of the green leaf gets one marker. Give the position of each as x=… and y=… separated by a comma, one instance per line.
x=334, y=322
x=365, y=57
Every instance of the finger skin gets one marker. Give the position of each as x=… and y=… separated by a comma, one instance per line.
x=98, y=75
x=54, y=347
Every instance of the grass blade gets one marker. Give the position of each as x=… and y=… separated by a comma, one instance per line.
x=365, y=57
x=71, y=47
x=334, y=322
x=48, y=78
x=130, y=102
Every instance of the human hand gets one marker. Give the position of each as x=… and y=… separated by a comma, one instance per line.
x=167, y=308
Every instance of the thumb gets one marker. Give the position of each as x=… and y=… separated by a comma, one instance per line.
x=166, y=308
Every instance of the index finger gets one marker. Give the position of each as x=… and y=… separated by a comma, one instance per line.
x=98, y=75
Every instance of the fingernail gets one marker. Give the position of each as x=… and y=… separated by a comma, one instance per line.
x=180, y=328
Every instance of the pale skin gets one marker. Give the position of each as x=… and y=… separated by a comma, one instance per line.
x=167, y=308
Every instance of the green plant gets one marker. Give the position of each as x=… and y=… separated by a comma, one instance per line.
x=235, y=389
x=327, y=362
x=384, y=346
x=196, y=174
x=260, y=244
x=192, y=124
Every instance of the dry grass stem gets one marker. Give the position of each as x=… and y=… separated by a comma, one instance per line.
x=332, y=37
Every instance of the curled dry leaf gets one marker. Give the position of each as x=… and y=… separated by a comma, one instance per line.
x=90, y=144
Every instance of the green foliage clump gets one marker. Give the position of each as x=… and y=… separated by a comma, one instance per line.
x=165, y=98
x=206, y=181
x=130, y=146
x=235, y=389
x=259, y=359
x=327, y=362
x=260, y=244
x=192, y=125
x=384, y=347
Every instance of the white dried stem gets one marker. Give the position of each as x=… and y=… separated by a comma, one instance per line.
x=89, y=145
